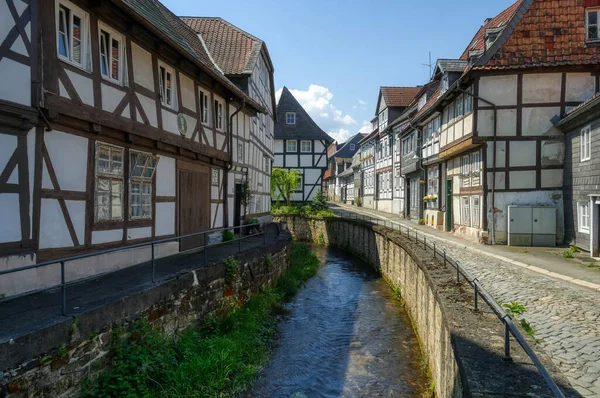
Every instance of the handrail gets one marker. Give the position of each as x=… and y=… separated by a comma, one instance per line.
x=479, y=290
x=63, y=283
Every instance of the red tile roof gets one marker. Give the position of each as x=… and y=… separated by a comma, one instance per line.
x=430, y=102
x=234, y=50
x=399, y=96
x=478, y=42
x=550, y=33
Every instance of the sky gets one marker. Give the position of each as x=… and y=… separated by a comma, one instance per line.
x=334, y=55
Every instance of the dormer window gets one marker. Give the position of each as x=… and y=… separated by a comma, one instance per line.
x=491, y=35
x=592, y=33
x=422, y=101
x=445, y=83
x=290, y=118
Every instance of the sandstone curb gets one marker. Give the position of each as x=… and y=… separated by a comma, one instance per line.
x=555, y=275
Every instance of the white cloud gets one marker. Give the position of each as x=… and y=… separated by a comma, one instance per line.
x=362, y=102
x=317, y=101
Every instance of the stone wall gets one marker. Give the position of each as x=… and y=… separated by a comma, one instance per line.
x=463, y=347
x=52, y=362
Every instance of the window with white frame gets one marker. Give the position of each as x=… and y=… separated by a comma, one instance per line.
x=468, y=101
x=459, y=106
x=109, y=183
x=240, y=152
x=383, y=119
x=475, y=211
x=445, y=83
x=291, y=146
x=166, y=82
x=591, y=19
x=290, y=118
x=352, y=147
x=414, y=193
x=583, y=217
x=218, y=115
x=142, y=166
x=267, y=164
x=465, y=211
x=112, y=54
x=204, y=108
x=586, y=143
x=305, y=146
x=433, y=181
x=73, y=35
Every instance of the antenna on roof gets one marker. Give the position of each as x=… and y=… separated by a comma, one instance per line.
x=430, y=65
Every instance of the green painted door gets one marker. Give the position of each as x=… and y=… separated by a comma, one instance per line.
x=449, y=205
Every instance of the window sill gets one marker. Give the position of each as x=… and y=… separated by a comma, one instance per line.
x=74, y=64
x=581, y=231
x=112, y=82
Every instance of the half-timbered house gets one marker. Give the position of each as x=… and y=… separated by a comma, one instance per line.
x=300, y=145
x=114, y=123
x=245, y=60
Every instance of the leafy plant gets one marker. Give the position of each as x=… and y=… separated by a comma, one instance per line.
x=283, y=184
x=397, y=293
x=319, y=202
x=228, y=236
x=358, y=202
x=231, y=269
x=514, y=309
x=421, y=221
x=325, y=213
x=269, y=261
x=574, y=249
x=568, y=253
x=246, y=197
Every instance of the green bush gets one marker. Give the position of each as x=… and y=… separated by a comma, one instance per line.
x=358, y=202
x=228, y=236
x=568, y=253
x=231, y=269
x=319, y=202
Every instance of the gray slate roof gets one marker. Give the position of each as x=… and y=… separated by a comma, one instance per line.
x=344, y=150
x=304, y=129
x=452, y=65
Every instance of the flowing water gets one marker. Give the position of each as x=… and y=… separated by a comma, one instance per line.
x=345, y=336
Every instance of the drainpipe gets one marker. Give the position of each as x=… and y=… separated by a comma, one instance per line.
x=495, y=130
x=230, y=166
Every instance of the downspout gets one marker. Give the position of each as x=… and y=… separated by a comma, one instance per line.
x=230, y=166
x=495, y=130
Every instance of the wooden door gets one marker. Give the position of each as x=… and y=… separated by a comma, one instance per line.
x=194, y=203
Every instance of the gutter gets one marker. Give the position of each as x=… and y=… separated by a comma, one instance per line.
x=230, y=166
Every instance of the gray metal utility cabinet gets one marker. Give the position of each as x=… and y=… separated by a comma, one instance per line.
x=531, y=226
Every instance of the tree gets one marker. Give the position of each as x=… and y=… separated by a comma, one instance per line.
x=283, y=184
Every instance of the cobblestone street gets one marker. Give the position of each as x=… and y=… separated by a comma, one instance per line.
x=564, y=316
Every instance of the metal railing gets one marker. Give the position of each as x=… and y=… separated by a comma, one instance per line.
x=262, y=230
x=479, y=291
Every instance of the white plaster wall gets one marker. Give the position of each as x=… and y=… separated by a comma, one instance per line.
x=319, y=147
x=8, y=144
x=522, y=153
x=32, y=177
x=188, y=96
x=553, y=152
x=139, y=233
x=322, y=162
x=580, y=86
x=149, y=107
x=165, y=219
x=306, y=160
x=291, y=160
x=217, y=209
x=537, y=121
x=165, y=177
x=522, y=179
x=500, y=154
x=143, y=73
x=278, y=145
x=83, y=85
x=76, y=211
x=500, y=180
x=107, y=236
x=552, y=198
x=24, y=281
x=468, y=124
x=53, y=229
x=68, y=154
x=220, y=140
x=10, y=226
x=278, y=162
x=111, y=97
x=552, y=178
x=507, y=123
x=500, y=90
x=312, y=175
x=17, y=88
x=169, y=122
x=541, y=87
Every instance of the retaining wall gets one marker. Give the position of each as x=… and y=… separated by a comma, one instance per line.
x=52, y=361
x=463, y=347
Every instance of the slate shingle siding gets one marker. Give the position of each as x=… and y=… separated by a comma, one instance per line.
x=580, y=180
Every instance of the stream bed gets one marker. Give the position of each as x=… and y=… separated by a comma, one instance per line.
x=345, y=336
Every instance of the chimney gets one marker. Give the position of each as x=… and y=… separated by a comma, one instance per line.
x=487, y=20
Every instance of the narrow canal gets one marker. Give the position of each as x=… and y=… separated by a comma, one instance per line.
x=345, y=336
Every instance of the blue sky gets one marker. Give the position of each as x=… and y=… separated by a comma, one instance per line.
x=347, y=49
